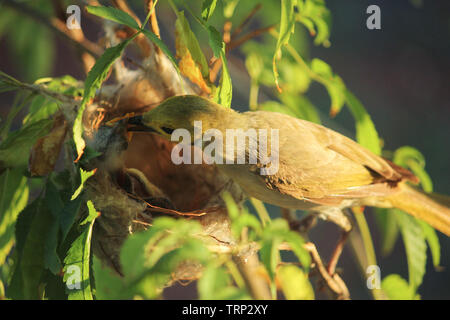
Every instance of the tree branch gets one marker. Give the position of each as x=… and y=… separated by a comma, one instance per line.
x=58, y=27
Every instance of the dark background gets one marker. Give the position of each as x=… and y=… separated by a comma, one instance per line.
x=401, y=75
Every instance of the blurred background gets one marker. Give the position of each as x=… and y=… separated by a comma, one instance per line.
x=400, y=73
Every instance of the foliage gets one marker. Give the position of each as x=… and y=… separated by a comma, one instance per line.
x=45, y=235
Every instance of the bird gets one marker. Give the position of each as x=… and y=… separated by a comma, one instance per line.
x=318, y=169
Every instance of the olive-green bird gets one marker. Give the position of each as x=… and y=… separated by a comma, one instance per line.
x=319, y=169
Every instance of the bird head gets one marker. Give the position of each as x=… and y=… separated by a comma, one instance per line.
x=181, y=112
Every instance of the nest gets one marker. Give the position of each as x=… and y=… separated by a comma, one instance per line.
x=135, y=175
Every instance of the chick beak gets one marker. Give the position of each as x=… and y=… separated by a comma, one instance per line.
x=135, y=124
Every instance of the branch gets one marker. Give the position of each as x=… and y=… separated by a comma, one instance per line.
x=248, y=268
x=58, y=27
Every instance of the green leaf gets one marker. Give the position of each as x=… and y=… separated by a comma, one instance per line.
x=415, y=246
x=333, y=83
x=229, y=7
x=208, y=7
x=397, y=288
x=15, y=150
x=300, y=106
x=152, y=37
x=224, y=91
x=287, y=24
x=315, y=16
x=32, y=46
x=270, y=255
x=32, y=262
x=366, y=134
x=148, y=258
x=192, y=63
x=108, y=285
x=273, y=235
x=189, y=40
x=295, y=283
x=23, y=225
x=68, y=216
x=13, y=199
x=84, y=176
x=433, y=242
x=55, y=205
x=215, y=284
x=94, y=79
x=390, y=231
x=411, y=158
x=77, y=261
x=114, y=14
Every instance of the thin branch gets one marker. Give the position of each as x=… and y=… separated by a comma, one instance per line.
x=248, y=268
x=248, y=36
x=153, y=21
x=247, y=19
x=58, y=27
x=334, y=283
x=87, y=59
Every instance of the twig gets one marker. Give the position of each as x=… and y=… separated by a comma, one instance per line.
x=141, y=40
x=123, y=5
x=334, y=283
x=58, y=27
x=248, y=36
x=246, y=21
x=153, y=20
x=257, y=285
x=217, y=63
x=87, y=59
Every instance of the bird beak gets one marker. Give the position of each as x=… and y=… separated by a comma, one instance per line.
x=135, y=124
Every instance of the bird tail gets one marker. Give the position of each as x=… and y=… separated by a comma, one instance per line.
x=428, y=208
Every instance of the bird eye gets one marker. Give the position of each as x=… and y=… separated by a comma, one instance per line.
x=167, y=130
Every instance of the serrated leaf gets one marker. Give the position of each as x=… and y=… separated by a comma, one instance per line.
x=300, y=106
x=68, y=216
x=287, y=24
x=108, y=285
x=113, y=14
x=55, y=205
x=224, y=92
x=208, y=7
x=13, y=199
x=273, y=235
x=388, y=224
x=77, y=261
x=215, y=284
x=397, y=288
x=24, y=223
x=148, y=258
x=315, y=16
x=366, y=134
x=413, y=159
x=47, y=149
x=270, y=255
x=84, y=175
x=295, y=283
x=32, y=260
x=15, y=150
x=192, y=63
x=415, y=246
x=94, y=79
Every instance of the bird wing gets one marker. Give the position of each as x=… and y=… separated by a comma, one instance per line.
x=321, y=165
